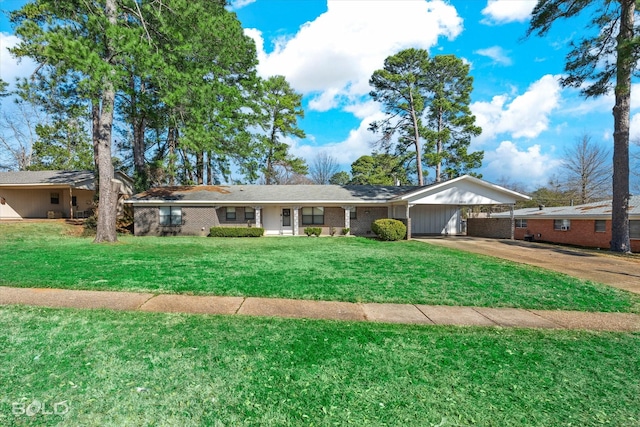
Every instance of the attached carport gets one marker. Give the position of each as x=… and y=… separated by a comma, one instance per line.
x=436, y=209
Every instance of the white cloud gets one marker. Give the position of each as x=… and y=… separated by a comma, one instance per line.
x=526, y=116
x=358, y=143
x=338, y=51
x=239, y=4
x=504, y=11
x=529, y=166
x=634, y=128
x=496, y=53
x=10, y=67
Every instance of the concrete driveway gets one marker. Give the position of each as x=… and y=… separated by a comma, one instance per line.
x=619, y=271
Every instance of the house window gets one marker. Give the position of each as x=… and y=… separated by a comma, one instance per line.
x=353, y=214
x=74, y=201
x=55, y=198
x=170, y=215
x=231, y=214
x=634, y=229
x=312, y=216
x=601, y=226
x=562, y=224
x=521, y=223
x=249, y=213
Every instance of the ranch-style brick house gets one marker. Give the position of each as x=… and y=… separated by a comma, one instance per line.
x=586, y=225
x=51, y=194
x=288, y=209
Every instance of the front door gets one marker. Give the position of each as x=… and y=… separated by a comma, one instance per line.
x=286, y=218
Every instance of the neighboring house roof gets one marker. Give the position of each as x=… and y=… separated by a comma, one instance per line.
x=82, y=180
x=595, y=210
x=73, y=179
x=235, y=194
x=465, y=190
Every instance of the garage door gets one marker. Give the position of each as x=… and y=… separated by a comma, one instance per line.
x=435, y=219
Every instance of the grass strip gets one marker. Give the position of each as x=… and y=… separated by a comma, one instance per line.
x=143, y=369
x=338, y=269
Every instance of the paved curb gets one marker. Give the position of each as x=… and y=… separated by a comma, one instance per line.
x=331, y=310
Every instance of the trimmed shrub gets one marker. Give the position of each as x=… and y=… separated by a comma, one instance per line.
x=389, y=229
x=345, y=231
x=313, y=231
x=236, y=232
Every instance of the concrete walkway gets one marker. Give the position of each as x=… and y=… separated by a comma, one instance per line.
x=622, y=272
x=390, y=313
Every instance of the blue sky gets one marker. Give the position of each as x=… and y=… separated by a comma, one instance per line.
x=329, y=49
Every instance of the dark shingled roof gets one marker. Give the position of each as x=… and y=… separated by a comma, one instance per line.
x=273, y=193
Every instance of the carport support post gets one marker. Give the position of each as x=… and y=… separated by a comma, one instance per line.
x=513, y=222
x=408, y=221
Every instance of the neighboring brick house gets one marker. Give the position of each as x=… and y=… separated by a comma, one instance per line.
x=52, y=194
x=288, y=209
x=586, y=225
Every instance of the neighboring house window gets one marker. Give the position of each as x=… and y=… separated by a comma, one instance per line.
x=521, y=223
x=249, y=213
x=55, y=198
x=311, y=216
x=562, y=224
x=353, y=214
x=601, y=226
x=74, y=201
x=231, y=214
x=634, y=229
x=170, y=215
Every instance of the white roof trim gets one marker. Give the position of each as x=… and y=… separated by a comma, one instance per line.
x=435, y=187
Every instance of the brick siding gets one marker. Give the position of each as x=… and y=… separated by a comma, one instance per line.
x=361, y=226
x=581, y=232
x=498, y=228
x=196, y=221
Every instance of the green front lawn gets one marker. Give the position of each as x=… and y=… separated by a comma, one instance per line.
x=345, y=269
x=149, y=369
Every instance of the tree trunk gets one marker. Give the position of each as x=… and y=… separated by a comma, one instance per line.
x=416, y=136
x=139, y=128
x=171, y=166
x=439, y=149
x=107, y=206
x=620, y=241
x=200, y=167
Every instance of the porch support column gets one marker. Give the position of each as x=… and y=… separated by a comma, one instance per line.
x=70, y=203
x=513, y=222
x=407, y=215
x=258, y=211
x=347, y=217
x=296, y=210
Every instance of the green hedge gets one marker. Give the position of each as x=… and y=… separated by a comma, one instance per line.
x=236, y=232
x=313, y=231
x=389, y=229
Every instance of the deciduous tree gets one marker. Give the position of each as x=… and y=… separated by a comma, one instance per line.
x=587, y=170
x=323, y=167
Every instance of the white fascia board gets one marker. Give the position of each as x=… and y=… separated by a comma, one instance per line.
x=435, y=188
